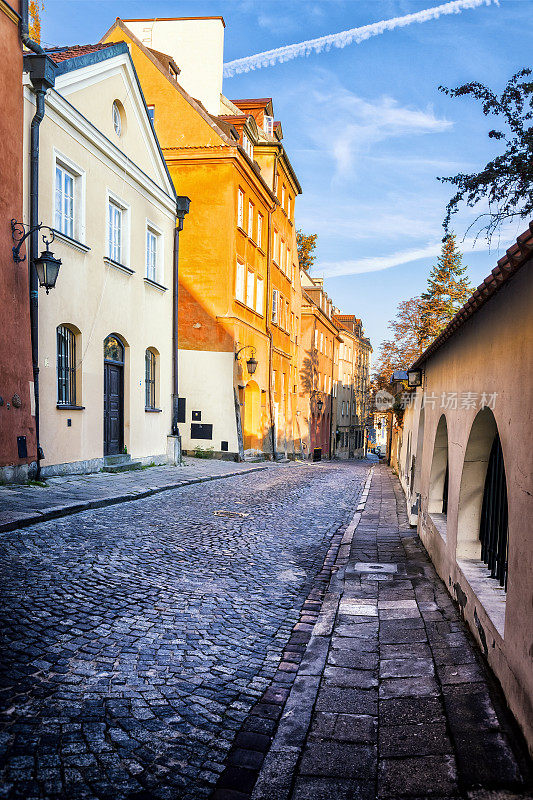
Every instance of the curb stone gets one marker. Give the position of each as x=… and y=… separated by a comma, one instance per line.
x=55, y=512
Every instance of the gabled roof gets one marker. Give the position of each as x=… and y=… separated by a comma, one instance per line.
x=76, y=57
x=516, y=256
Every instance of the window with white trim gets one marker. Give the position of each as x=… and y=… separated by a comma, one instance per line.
x=239, y=281
x=289, y=206
x=275, y=298
x=259, y=296
x=276, y=247
x=250, y=280
x=64, y=197
x=248, y=147
x=152, y=253
x=283, y=191
x=259, y=229
x=115, y=238
x=240, y=209
x=268, y=125
x=250, y=219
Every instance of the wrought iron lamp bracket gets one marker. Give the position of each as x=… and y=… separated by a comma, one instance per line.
x=19, y=236
x=244, y=348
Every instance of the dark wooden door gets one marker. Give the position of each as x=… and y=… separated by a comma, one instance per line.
x=113, y=409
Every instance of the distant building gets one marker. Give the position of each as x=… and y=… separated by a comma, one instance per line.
x=350, y=391
x=318, y=354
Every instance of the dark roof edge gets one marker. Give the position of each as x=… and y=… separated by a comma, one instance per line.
x=515, y=258
x=86, y=59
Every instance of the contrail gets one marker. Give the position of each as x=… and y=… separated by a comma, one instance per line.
x=344, y=38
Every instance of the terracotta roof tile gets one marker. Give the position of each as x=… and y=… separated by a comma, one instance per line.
x=59, y=54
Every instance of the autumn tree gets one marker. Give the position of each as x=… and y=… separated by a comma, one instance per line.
x=306, y=249
x=448, y=289
x=408, y=341
x=34, y=8
x=506, y=182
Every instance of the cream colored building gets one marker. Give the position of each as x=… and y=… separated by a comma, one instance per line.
x=105, y=189
x=463, y=455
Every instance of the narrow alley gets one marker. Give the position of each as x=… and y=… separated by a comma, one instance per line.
x=150, y=648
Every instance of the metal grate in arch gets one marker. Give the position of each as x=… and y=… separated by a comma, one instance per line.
x=493, y=529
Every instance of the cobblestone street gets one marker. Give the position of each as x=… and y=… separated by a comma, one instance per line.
x=150, y=648
x=136, y=638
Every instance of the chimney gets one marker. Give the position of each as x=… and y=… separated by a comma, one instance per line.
x=197, y=46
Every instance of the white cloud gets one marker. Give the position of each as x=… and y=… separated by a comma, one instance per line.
x=334, y=269
x=344, y=38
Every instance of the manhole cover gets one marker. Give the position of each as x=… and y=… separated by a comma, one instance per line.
x=363, y=566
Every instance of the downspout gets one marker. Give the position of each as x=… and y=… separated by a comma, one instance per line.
x=331, y=394
x=269, y=329
x=182, y=208
x=41, y=69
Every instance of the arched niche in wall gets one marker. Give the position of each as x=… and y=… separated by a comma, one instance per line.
x=483, y=435
x=438, y=479
x=416, y=463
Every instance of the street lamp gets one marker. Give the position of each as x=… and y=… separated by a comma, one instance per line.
x=46, y=265
x=251, y=363
x=414, y=378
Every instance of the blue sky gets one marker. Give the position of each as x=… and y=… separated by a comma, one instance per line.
x=365, y=126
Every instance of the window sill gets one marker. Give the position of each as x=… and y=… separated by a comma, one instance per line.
x=66, y=407
x=248, y=308
x=487, y=590
x=260, y=249
x=116, y=265
x=153, y=410
x=242, y=231
x=439, y=523
x=63, y=237
x=156, y=285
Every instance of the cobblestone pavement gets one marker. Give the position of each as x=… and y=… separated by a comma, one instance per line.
x=136, y=638
x=392, y=698
x=25, y=504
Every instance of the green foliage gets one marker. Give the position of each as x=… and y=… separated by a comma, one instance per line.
x=448, y=289
x=506, y=182
x=204, y=452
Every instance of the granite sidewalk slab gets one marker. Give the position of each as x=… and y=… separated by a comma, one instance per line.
x=391, y=698
x=23, y=505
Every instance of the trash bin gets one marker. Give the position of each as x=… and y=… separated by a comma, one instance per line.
x=317, y=454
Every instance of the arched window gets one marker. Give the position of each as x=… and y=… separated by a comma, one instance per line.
x=113, y=349
x=149, y=364
x=66, y=366
x=493, y=527
x=438, y=482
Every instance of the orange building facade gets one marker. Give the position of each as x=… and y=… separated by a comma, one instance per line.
x=239, y=284
x=318, y=357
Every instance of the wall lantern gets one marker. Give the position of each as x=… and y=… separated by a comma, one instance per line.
x=414, y=378
x=320, y=404
x=251, y=363
x=46, y=265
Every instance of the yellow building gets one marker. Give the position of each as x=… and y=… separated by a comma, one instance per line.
x=239, y=292
x=105, y=330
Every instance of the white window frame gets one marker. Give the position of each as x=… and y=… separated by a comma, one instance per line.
x=289, y=206
x=239, y=281
x=275, y=306
x=153, y=229
x=259, y=295
x=275, y=248
x=247, y=145
x=259, y=228
x=283, y=195
x=113, y=199
x=63, y=162
x=250, y=287
x=240, y=209
x=250, y=219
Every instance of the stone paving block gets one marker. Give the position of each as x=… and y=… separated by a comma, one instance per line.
x=311, y=788
x=412, y=650
x=322, y=725
x=410, y=710
x=275, y=779
x=400, y=635
x=347, y=701
x=485, y=758
x=425, y=776
x=460, y=673
x=399, y=741
x=408, y=687
x=314, y=658
x=353, y=660
x=339, y=759
x=355, y=728
x=406, y=667
x=356, y=678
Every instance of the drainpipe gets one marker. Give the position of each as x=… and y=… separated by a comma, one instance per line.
x=269, y=329
x=182, y=208
x=41, y=69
